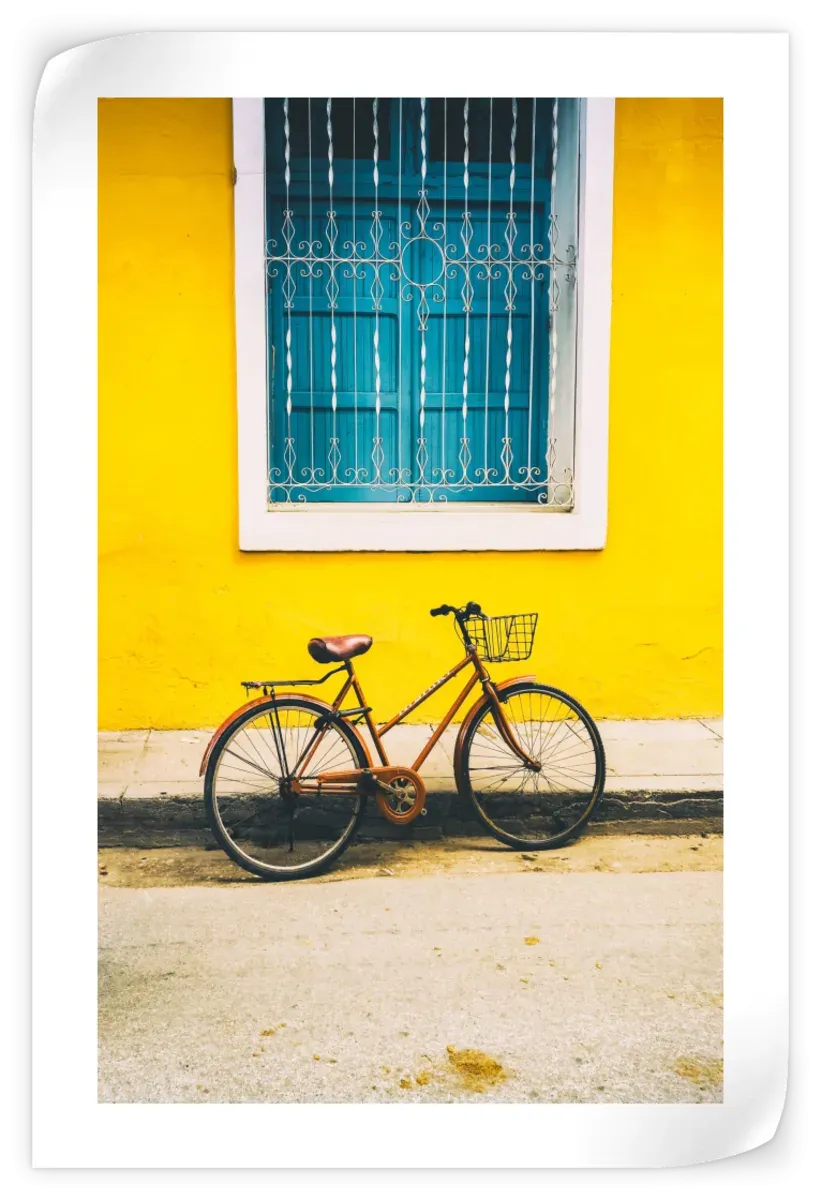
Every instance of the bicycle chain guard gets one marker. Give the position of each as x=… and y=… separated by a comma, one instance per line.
x=400, y=792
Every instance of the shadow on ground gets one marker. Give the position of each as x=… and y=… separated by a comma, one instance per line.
x=636, y=853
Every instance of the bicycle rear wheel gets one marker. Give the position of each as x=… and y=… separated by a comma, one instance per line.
x=258, y=820
x=521, y=806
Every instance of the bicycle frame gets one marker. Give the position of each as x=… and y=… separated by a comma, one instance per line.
x=479, y=675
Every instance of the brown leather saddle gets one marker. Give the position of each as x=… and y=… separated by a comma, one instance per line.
x=339, y=649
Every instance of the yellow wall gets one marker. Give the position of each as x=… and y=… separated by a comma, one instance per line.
x=633, y=630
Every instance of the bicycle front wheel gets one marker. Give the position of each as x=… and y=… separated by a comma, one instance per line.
x=533, y=809
x=262, y=822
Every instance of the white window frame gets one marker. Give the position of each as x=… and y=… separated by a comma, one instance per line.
x=450, y=526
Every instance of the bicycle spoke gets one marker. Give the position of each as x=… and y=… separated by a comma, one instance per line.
x=326, y=763
x=239, y=822
x=252, y=749
x=242, y=758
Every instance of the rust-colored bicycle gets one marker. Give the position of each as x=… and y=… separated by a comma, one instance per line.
x=288, y=775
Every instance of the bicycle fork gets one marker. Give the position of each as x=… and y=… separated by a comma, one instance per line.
x=506, y=730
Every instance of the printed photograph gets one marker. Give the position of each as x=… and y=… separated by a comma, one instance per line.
x=410, y=446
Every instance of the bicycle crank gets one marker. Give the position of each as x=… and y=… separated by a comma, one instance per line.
x=400, y=792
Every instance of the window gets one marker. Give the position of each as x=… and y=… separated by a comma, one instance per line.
x=429, y=276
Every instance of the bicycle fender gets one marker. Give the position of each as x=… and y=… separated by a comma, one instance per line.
x=259, y=702
x=500, y=687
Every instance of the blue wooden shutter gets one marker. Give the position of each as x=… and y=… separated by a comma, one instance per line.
x=409, y=302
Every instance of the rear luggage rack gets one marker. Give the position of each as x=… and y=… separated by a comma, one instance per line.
x=255, y=684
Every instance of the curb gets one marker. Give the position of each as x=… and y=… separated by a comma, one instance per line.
x=180, y=820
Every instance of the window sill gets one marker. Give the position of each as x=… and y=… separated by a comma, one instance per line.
x=341, y=527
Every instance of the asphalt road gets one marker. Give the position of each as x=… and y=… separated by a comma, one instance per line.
x=588, y=987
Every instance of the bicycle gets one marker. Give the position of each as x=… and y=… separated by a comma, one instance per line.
x=288, y=775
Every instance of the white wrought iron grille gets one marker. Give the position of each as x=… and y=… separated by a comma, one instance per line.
x=421, y=263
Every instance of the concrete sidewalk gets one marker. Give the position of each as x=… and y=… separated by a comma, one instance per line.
x=149, y=779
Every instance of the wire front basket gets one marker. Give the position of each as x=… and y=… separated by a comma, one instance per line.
x=503, y=639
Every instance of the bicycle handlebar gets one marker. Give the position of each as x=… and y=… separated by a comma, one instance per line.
x=471, y=609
